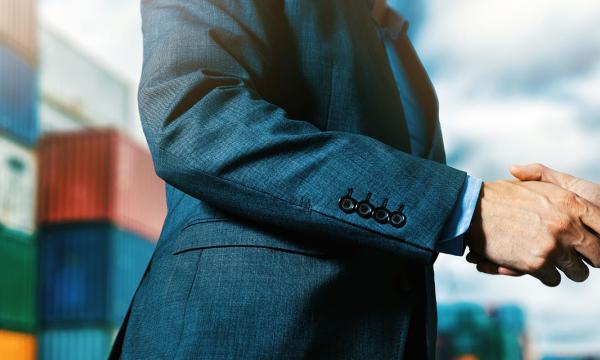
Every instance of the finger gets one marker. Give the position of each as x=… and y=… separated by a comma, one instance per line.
x=572, y=266
x=474, y=258
x=487, y=268
x=509, y=272
x=590, y=217
x=539, y=172
x=548, y=275
x=589, y=248
x=532, y=172
x=490, y=267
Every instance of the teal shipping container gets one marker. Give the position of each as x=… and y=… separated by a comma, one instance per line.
x=18, y=98
x=89, y=273
x=453, y=316
x=510, y=345
x=75, y=343
x=509, y=317
x=18, y=274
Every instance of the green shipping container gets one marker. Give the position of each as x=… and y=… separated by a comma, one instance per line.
x=18, y=282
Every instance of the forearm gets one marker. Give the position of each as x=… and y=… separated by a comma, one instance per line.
x=213, y=136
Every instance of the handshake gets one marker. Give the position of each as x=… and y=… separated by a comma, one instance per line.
x=536, y=225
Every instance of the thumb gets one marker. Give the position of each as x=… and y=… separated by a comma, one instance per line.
x=539, y=172
x=531, y=172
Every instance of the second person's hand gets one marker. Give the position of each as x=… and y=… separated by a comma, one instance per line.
x=535, y=227
x=587, y=190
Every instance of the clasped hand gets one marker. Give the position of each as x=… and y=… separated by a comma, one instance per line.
x=542, y=222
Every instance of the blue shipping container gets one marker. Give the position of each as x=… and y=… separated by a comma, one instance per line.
x=75, y=344
x=89, y=273
x=18, y=98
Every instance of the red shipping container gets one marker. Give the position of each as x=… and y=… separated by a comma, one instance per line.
x=99, y=175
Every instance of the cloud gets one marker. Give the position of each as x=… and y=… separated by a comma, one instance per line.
x=512, y=44
x=485, y=135
x=108, y=29
x=518, y=82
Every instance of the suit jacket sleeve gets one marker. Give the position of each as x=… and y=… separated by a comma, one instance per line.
x=213, y=136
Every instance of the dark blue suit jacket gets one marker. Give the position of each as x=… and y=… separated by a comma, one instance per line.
x=260, y=115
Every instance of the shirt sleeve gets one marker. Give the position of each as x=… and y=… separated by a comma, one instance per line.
x=451, y=237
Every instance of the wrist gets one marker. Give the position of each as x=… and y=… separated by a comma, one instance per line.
x=474, y=233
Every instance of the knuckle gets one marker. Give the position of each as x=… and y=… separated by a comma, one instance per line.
x=536, y=264
x=539, y=167
x=570, y=201
x=580, y=240
x=560, y=225
x=544, y=250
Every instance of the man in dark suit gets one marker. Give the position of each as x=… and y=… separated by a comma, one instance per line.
x=307, y=188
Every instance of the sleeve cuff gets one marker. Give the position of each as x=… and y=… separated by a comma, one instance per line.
x=451, y=237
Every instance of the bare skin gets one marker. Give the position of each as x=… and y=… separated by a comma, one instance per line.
x=536, y=172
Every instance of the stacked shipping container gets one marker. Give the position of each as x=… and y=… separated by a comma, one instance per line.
x=18, y=135
x=76, y=343
x=102, y=204
x=469, y=330
x=17, y=346
x=18, y=27
x=90, y=271
x=100, y=208
x=18, y=113
x=99, y=175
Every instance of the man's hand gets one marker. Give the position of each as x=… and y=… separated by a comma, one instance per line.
x=537, y=172
x=534, y=228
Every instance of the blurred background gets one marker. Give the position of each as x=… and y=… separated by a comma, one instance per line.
x=81, y=207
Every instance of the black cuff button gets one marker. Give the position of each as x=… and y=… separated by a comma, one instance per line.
x=397, y=218
x=381, y=214
x=364, y=207
x=347, y=203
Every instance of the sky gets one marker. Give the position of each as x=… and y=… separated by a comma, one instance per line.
x=517, y=81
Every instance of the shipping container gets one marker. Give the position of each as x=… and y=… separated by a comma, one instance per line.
x=75, y=83
x=99, y=175
x=18, y=275
x=453, y=316
x=89, y=273
x=18, y=98
x=18, y=27
x=89, y=343
x=17, y=346
x=18, y=181
x=510, y=317
x=510, y=345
